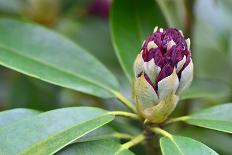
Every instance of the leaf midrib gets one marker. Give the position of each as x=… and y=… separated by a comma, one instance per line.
x=177, y=146
x=53, y=67
x=65, y=130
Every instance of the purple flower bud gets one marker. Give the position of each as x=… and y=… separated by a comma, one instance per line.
x=165, y=65
x=100, y=8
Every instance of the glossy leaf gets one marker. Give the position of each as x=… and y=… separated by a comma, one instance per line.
x=178, y=145
x=130, y=27
x=12, y=116
x=202, y=88
x=98, y=134
x=100, y=147
x=96, y=31
x=217, y=118
x=43, y=54
x=49, y=132
x=219, y=141
x=174, y=12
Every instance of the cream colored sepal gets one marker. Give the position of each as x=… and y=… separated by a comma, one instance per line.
x=152, y=70
x=160, y=112
x=186, y=78
x=145, y=95
x=168, y=85
x=138, y=64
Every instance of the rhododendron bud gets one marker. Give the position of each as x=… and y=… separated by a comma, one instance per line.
x=163, y=69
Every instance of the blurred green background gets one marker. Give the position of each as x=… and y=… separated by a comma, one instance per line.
x=85, y=22
x=208, y=24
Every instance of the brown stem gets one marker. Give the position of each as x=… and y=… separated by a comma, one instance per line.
x=151, y=144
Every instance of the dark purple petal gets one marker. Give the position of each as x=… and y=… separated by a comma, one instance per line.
x=165, y=58
x=165, y=72
x=188, y=59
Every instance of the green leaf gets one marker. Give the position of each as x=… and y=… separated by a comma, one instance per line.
x=43, y=54
x=12, y=116
x=178, y=145
x=98, y=134
x=96, y=31
x=100, y=147
x=217, y=118
x=49, y=132
x=209, y=137
x=174, y=12
x=202, y=88
x=130, y=27
x=33, y=93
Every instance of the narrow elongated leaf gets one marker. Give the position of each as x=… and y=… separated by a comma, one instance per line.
x=99, y=147
x=130, y=26
x=49, y=132
x=96, y=31
x=202, y=88
x=219, y=141
x=178, y=145
x=217, y=118
x=98, y=134
x=12, y=116
x=40, y=53
x=174, y=12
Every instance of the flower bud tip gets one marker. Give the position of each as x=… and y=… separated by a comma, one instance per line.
x=181, y=33
x=180, y=64
x=188, y=43
x=170, y=44
x=155, y=29
x=151, y=45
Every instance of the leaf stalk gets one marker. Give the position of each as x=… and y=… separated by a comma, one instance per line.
x=125, y=114
x=125, y=101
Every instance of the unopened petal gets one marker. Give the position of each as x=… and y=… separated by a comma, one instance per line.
x=168, y=85
x=181, y=33
x=143, y=43
x=151, y=45
x=188, y=43
x=152, y=70
x=186, y=78
x=170, y=44
x=160, y=112
x=155, y=29
x=180, y=64
x=144, y=93
x=138, y=64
